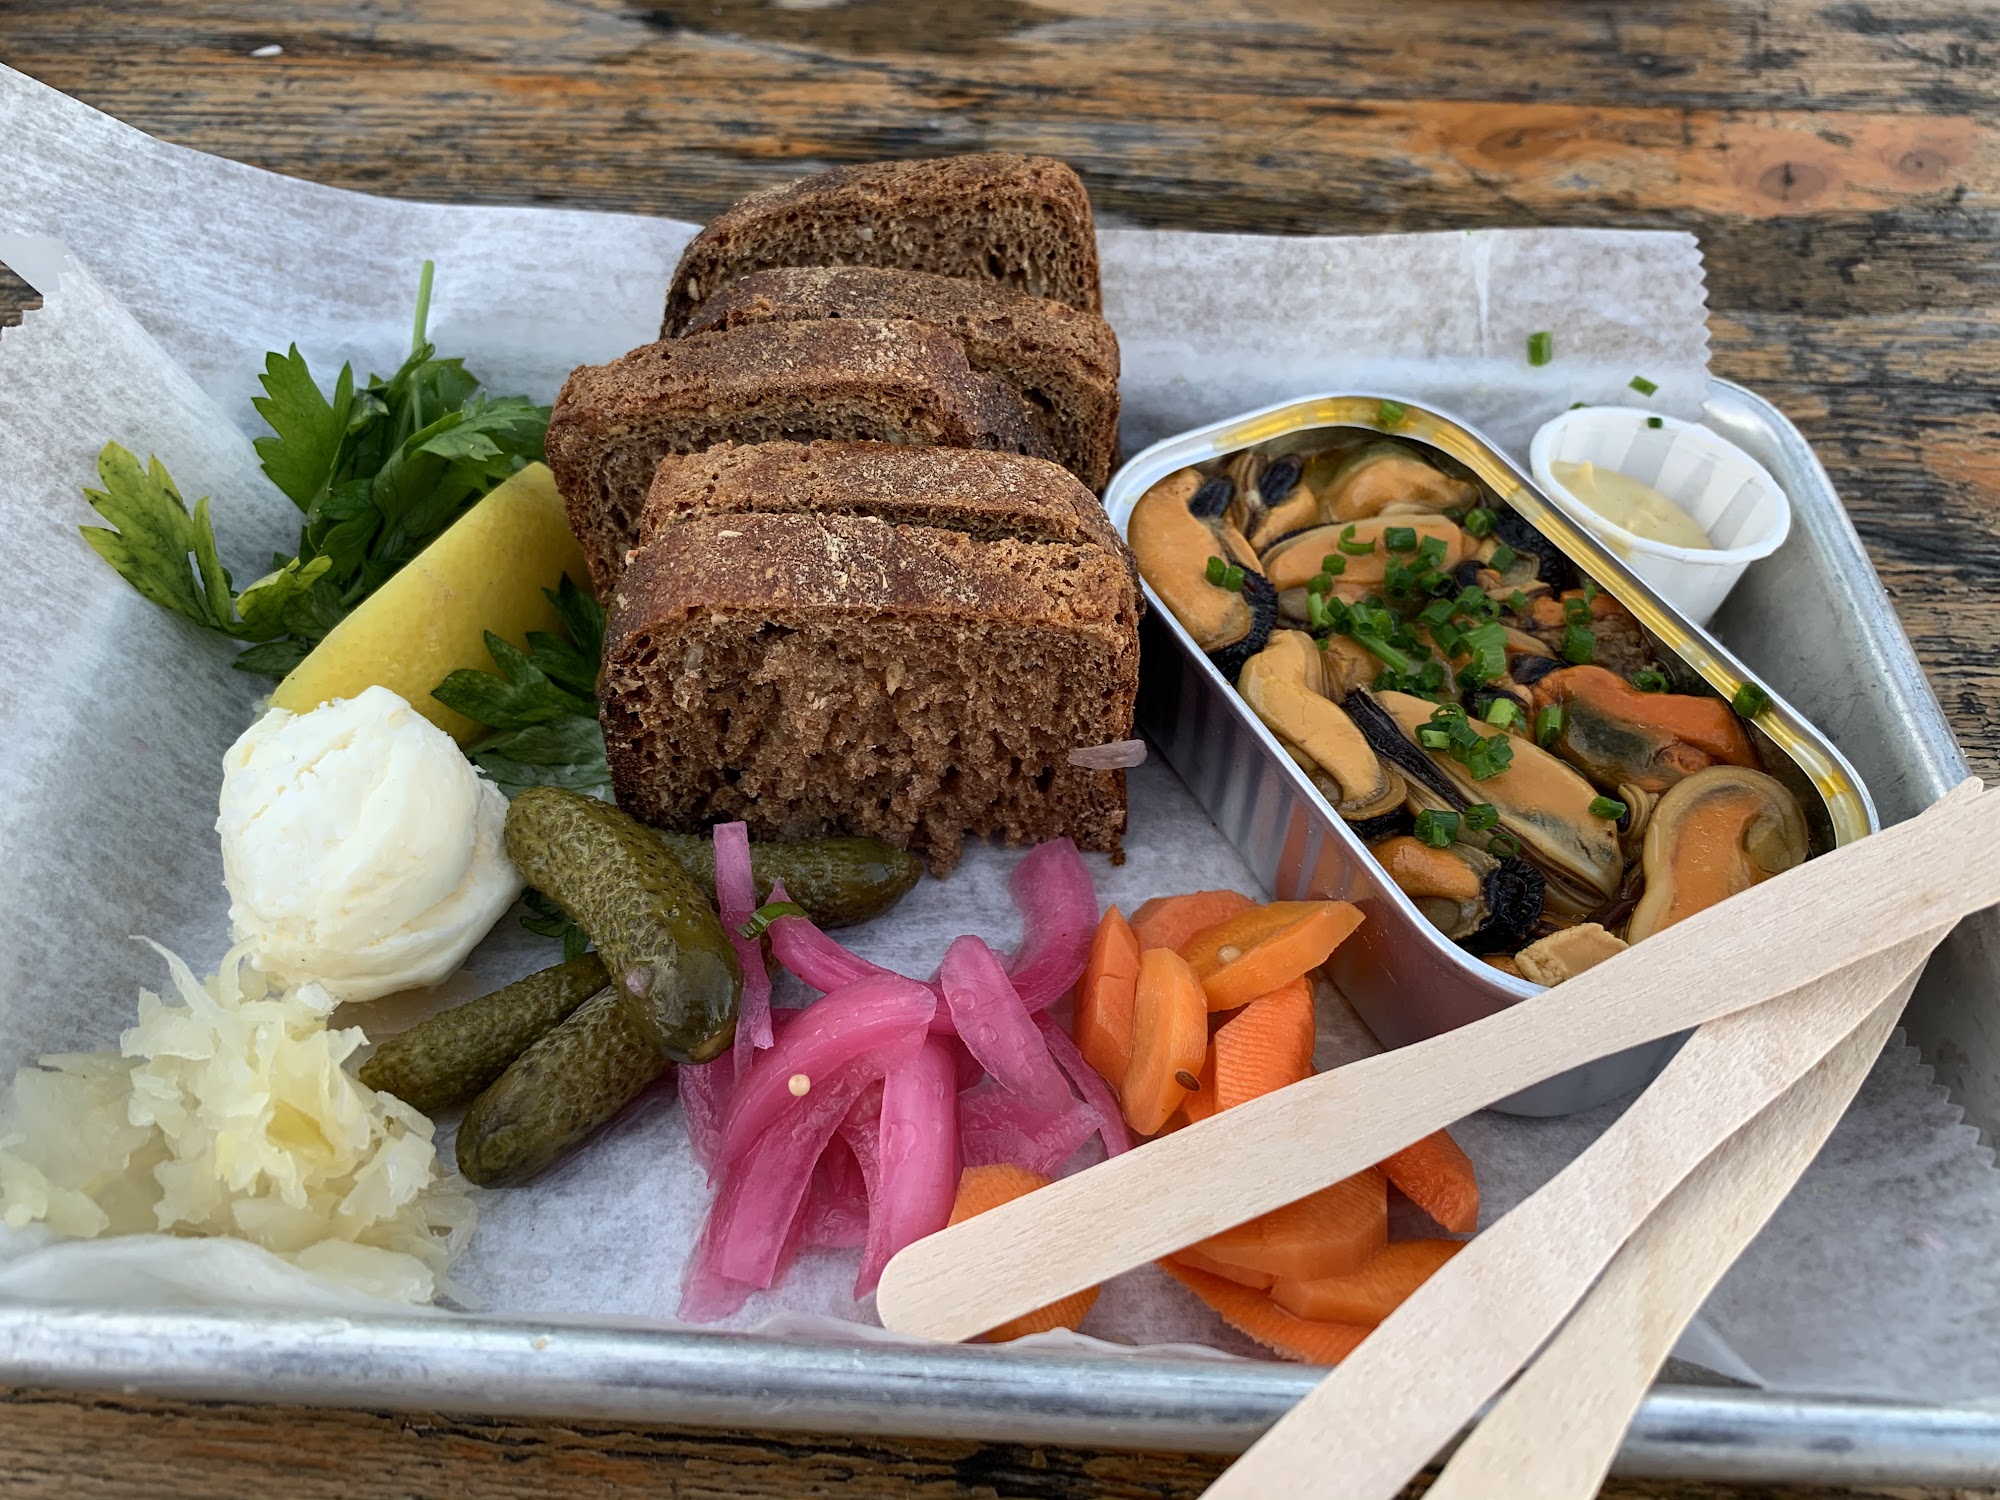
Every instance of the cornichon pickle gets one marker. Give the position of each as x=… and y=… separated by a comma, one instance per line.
x=451, y=1057
x=557, y=1094
x=838, y=881
x=670, y=962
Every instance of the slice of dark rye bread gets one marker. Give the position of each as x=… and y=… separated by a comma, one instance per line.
x=865, y=378
x=1064, y=362
x=1021, y=221
x=815, y=674
x=988, y=496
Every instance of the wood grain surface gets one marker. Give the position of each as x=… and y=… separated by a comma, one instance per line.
x=1838, y=159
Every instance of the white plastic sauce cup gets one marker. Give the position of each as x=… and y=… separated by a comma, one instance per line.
x=1729, y=494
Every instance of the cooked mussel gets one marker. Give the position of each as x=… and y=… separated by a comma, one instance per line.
x=1485, y=905
x=1286, y=686
x=1295, y=561
x=1616, y=734
x=1566, y=954
x=1382, y=477
x=1711, y=835
x=1544, y=804
x=1177, y=527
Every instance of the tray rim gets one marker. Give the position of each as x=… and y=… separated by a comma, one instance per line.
x=641, y=1374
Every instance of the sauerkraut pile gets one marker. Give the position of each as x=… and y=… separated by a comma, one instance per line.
x=226, y=1111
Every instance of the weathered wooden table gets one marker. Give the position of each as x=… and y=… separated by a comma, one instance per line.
x=1838, y=159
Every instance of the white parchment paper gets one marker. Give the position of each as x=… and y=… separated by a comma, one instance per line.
x=167, y=274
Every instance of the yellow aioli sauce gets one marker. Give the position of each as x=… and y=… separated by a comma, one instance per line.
x=1624, y=501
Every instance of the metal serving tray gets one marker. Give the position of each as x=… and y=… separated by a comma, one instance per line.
x=634, y=1374
x=1403, y=976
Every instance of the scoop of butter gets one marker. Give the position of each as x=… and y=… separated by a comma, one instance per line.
x=486, y=572
x=360, y=847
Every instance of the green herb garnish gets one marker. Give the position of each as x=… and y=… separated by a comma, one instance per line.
x=1541, y=348
x=540, y=710
x=1215, y=571
x=1579, y=647
x=1548, y=725
x=549, y=920
x=1436, y=827
x=1655, y=422
x=1481, y=816
x=1503, y=846
x=1400, y=538
x=1649, y=680
x=1432, y=551
x=1643, y=386
x=1502, y=558
x=377, y=472
x=1351, y=547
x=765, y=915
x=1750, y=701
x=1479, y=521
x=1607, y=807
x=1391, y=414
x=1504, y=712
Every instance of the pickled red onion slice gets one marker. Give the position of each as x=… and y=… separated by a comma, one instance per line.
x=993, y=1022
x=1097, y=1095
x=1058, y=906
x=857, y=1019
x=998, y=1127
x=918, y=1161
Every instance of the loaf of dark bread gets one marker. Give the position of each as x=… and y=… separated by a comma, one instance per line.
x=1021, y=221
x=988, y=496
x=865, y=378
x=815, y=674
x=1062, y=361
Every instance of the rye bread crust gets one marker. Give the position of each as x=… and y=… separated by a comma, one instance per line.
x=987, y=496
x=1021, y=221
x=816, y=674
x=853, y=378
x=1064, y=362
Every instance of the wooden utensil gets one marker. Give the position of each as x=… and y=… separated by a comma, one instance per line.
x=1828, y=914
x=1554, y=1433
x=1502, y=1296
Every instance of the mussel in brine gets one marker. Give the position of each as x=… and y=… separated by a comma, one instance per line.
x=1483, y=903
x=1387, y=477
x=1617, y=735
x=1711, y=835
x=1203, y=568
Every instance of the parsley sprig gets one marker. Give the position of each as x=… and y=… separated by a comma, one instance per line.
x=540, y=708
x=377, y=471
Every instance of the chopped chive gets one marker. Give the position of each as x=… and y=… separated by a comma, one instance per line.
x=1353, y=548
x=1433, y=739
x=1446, y=711
x=1319, y=583
x=1607, y=807
x=1432, y=550
x=1578, y=405
x=1333, y=563
x=1541, y=348
x=1479, y=521
x=1432, y=676
x=1434, y=582
x=1436, y=827
x=1494, y=755
x=1488, y=645
x=1590, y=591
x=1649, y=680
x=1643, y=386
x=1232, y=579
x=1548, y=725
x=1481, y=816
x=765, y=915
x=1750, y=701
x=1655, y=422
x=1384, y=651
x=1503, y=711
x=1503, y=846
x=1518, y=602
x=1435, y=613
x=1400, y=538
x=1576, y=611
x=1502, y=558
x=1217, y=568
x=1579, y=646
x=1391, y=414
